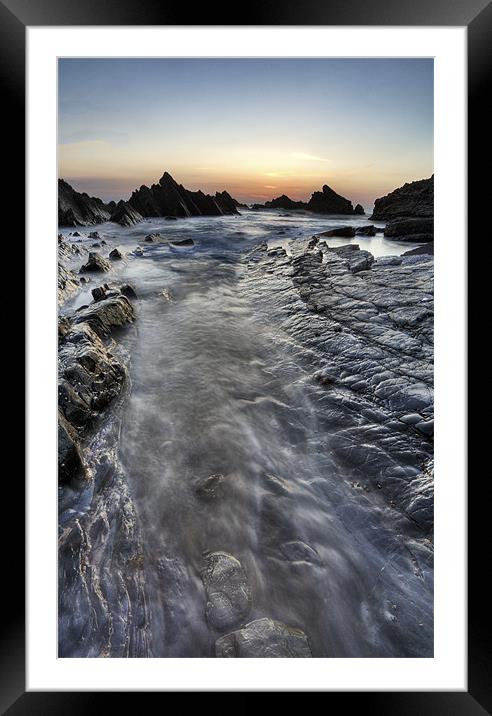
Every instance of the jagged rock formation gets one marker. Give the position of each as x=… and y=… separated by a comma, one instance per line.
x=412, y=200
x=80, y=209
x=326, y=201
x=125, y=215
x=168, y=198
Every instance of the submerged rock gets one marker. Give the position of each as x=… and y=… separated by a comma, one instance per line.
x=183, y=242
x=227, y=590
x=211, y=488
x=151, y=238
x=264, y=638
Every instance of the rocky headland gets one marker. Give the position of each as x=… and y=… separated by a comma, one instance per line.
x=408, y=211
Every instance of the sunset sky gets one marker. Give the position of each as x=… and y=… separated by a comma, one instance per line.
x=256, y=127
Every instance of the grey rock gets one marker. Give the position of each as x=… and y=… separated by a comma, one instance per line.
x=264, y=638
x=227, y=590
x=211, y=488
x=368, y=326
x=419, y=250
x=106, y=314
x=96, y=263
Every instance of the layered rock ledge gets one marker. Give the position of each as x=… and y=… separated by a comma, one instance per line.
x=368, y=327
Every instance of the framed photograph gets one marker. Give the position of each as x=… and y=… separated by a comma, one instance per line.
x=246, y=458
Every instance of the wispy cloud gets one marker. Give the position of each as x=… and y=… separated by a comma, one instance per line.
x=307, y=157
x=102, y=136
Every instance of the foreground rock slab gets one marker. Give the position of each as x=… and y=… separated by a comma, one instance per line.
x=264, y=638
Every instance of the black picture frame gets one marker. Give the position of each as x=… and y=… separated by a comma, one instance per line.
x=15, y=16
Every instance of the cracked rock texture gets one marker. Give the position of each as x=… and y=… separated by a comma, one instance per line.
x=369, y=327
x=227, y=590
x=264, y=638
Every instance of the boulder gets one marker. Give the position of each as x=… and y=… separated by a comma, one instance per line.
x=359, y=210
x=106, y=313
x=128, y=291
x=96, y=263
x=152, y=238
x=264, y=638
x=115, y=255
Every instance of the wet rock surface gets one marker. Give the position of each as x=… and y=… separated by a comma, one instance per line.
x=258, y=481
x=96, y=263
x=264, y=639
x=370, y=327
x=227, y=590
x=102, y=604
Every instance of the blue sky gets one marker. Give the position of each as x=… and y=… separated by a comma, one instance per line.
x=257, y=127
